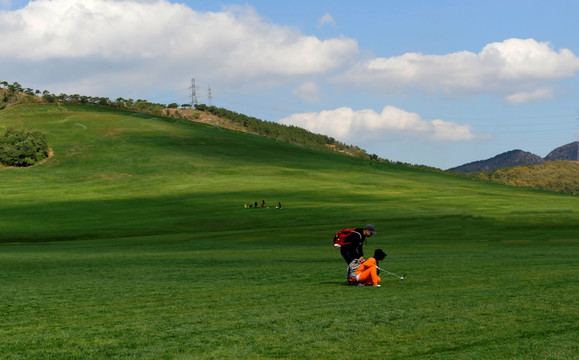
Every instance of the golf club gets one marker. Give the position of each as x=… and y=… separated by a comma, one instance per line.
x=399, y=277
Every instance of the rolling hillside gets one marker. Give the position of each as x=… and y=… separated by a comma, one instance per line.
x=127, y=173
x=132, y=241
x=15, y=95
x=559, y=176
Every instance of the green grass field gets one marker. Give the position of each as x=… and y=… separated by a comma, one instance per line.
x=132, y=241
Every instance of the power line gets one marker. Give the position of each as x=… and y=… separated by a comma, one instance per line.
x=514, y=117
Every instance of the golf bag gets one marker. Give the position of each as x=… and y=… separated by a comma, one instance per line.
x=340, y=237
x=354, y=265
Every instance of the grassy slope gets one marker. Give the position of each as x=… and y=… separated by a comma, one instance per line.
x=561, y=176
x=163, y=261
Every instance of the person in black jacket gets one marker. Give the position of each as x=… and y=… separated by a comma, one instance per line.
x=355, y=248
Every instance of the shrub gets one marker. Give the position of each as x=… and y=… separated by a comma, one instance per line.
x=21, y=147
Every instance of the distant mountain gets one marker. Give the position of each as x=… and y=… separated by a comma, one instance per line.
x=507, y=159
x=568, y=152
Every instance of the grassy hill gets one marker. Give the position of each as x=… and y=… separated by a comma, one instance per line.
x=132, y=240
x=560, y=176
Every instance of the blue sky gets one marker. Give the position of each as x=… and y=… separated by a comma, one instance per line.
x=439, y=83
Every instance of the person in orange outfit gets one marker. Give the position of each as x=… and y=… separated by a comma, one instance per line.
x=367, y=273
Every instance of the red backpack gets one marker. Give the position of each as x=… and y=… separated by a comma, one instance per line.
x=340, y=237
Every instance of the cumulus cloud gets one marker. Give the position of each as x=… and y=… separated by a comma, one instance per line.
x=159, y=41
x=533, y=96
x=348, y=125
x=514, y=66
x=308, y=92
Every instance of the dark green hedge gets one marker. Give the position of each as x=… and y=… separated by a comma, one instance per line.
x=22, y=147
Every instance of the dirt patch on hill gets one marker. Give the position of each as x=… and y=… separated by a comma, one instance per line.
x=203, y=117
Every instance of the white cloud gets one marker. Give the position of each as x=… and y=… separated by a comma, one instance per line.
x=511, y=66
x=391, y=124
x=308, y=92
x=157, y=41
x=533, y=96
x=326, y=19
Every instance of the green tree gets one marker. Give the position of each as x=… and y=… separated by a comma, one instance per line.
x=48, y=97
x=21, y=147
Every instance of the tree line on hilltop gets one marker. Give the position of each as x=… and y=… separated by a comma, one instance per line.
x=15, y=93
x=286, y=133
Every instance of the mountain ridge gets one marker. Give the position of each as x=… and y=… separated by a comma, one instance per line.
x=568, y=152
x=512, y=158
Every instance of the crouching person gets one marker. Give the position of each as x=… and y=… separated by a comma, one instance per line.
x=367, y=273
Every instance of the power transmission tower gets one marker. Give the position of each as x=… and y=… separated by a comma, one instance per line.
x=210, y=97
x=193, y=93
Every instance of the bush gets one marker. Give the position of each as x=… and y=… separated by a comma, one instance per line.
x=21, y=147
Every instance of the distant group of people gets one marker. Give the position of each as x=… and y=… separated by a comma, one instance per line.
x=255, y=206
